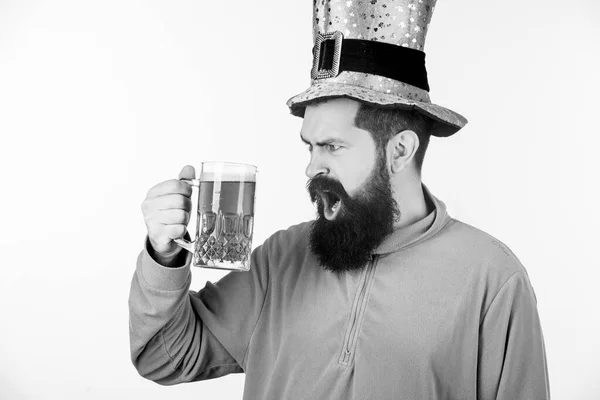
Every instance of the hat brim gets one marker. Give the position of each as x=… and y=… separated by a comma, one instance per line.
x=447, y=122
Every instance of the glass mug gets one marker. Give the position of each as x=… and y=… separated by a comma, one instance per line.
x=225, y=216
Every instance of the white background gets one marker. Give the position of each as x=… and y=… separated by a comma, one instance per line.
x=99, y=101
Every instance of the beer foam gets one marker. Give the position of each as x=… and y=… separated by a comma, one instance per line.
x=228, y=172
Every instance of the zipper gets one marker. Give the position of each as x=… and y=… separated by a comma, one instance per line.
x=357, y=312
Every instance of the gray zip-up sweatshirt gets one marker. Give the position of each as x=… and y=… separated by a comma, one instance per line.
x=443, y=311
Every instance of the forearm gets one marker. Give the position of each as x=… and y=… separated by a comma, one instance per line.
x=159, y=303
x=169, y=341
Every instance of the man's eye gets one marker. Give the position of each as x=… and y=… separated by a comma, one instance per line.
x=332, y=147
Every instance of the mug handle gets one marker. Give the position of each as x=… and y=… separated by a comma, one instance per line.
x=181, y=242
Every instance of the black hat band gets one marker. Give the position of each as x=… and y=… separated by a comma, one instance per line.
x=332, y=54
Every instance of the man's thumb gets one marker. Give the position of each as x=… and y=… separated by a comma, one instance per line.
x=187, y=172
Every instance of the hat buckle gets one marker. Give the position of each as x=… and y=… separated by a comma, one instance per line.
x=319, y=70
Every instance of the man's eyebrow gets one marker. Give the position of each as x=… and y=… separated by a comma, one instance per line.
x=322, y=143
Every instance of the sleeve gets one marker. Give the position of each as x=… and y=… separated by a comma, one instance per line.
x=512, y=356
x=178, y=335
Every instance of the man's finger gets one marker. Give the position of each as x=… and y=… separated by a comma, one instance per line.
x=172, y=186
x=187, y=172
x=172, y=201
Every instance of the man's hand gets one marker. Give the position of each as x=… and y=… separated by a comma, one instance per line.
x=166, y=210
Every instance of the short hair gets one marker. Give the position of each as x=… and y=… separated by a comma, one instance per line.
x=385, y=123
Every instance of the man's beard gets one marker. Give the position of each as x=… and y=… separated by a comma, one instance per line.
x=363, y=221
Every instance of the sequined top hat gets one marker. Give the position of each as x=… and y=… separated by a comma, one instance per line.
x=372, y=51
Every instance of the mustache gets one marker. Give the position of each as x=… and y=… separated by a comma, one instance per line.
x=322, y=183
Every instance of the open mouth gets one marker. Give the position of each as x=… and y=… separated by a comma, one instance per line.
x=331, y=204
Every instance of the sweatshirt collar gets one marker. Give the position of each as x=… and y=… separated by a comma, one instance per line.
x=419, y=230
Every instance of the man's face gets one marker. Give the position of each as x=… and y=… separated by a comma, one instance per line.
x=350, y=184
x=338, y=149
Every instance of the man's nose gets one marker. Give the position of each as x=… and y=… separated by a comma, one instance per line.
x=315, y=166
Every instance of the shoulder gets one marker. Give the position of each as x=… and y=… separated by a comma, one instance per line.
x=480, y=250
x=486, y=264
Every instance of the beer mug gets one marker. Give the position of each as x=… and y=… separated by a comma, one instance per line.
x=225, y=216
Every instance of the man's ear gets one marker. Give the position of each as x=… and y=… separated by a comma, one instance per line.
x=401, y=149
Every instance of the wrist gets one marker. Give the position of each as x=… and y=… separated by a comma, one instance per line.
x=169, y=259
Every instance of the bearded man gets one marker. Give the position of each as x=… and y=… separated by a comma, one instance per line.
x=349, y=149
x=384, y=295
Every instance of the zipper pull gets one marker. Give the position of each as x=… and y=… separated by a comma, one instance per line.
x=347, y=356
